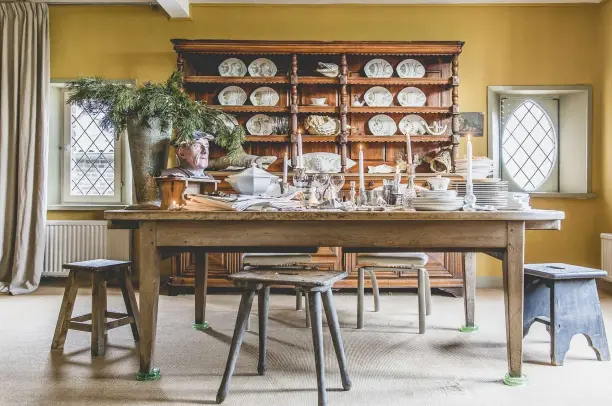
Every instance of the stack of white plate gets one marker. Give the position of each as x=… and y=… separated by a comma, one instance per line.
x=437, y=200
x=487, y=193
x=482, y=167
x=517, y=201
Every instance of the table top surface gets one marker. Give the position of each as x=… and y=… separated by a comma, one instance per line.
x=165, y=215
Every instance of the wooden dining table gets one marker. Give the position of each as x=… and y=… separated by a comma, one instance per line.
x=500, y=234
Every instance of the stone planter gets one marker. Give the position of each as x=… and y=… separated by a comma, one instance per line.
x=149, y=155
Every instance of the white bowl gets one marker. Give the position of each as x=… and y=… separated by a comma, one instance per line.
x=438, y=183
x=318, y=101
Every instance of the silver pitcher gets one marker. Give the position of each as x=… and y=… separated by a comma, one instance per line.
x=149, y=155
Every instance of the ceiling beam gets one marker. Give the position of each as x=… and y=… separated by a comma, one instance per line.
x=175, y=8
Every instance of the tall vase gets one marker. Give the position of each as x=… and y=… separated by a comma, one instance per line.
x=149, y=155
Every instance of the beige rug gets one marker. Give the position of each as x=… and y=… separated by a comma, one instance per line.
x=389, y=363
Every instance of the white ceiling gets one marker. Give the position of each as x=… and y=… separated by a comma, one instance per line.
x=180, y=8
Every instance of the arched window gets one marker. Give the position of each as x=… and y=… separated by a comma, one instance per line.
x=529, y=145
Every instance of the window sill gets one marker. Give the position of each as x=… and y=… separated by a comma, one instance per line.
x=562, y=195
x=84, y=207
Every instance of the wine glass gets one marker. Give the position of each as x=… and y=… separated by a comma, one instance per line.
x=337, y=182
x=321, y=182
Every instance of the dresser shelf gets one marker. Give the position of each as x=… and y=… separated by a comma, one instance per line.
x=297, y=82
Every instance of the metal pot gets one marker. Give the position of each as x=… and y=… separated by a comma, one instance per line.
x=149, y=155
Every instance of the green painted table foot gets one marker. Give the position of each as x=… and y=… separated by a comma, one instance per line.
x=515, y=380
x=468, y=329
x=201, y=326
x=148, y=376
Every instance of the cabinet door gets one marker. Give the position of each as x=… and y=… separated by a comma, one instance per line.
x=219, y=266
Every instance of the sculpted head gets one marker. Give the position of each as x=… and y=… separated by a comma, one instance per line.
x=195, y=154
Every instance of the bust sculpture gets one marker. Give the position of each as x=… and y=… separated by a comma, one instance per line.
x=192, y=158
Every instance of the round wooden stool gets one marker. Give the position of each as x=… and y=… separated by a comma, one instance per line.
x=101, y=270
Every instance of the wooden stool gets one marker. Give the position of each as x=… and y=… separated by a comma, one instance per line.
x=564, y=298
x=101, y=271
x=316, y=284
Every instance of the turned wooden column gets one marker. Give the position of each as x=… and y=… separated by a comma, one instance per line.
x=455, y=119
x=294, y=109
x=343, y=112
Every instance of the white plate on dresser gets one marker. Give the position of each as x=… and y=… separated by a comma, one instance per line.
x=260, y=124
x=262, y=67
x=232, y=96
x=412, y=124
x=378, y=96
x=378, y=68
x=382, y=125
x=264, y=96
x=411, y=97
x=410, y=68
x=232, y=67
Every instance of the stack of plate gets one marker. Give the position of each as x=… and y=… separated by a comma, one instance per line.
x=517, y=201
x=437, y=200
x=488, y=193
x=482, y=167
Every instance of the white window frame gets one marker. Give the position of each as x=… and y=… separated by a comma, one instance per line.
x=574, y=138
x=59, y=184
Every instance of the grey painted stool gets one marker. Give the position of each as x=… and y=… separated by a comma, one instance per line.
x=564, y=298
x=395, y=262
x=318, y=284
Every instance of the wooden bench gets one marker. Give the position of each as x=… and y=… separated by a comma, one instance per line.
x=564, y=298
x=101, y=271
x=318, y=286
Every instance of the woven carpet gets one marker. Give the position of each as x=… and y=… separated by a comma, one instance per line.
x=389, y=363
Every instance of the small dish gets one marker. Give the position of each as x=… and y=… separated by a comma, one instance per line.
x=438, y=183
x=318, y=101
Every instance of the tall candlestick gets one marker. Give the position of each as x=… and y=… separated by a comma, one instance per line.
x=361, y=180
x=300, y=160
x=408, y=150
x=469, y=160
x=285, y=168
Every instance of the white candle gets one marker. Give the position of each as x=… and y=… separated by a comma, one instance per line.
x=300, y=160
x=469, y=160
x=361, y=180
x=408, y=151
x=285, y=168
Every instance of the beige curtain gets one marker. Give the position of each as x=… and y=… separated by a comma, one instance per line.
x=24, y=84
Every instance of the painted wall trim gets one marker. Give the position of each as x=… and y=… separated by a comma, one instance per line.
x=323, y=2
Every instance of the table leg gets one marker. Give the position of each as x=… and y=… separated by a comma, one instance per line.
x=513, y=264
x=201, y=286
x=149, y=268
x=469, y=291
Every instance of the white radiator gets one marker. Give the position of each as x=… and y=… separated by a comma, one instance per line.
x=78, y=240
x=606, y=254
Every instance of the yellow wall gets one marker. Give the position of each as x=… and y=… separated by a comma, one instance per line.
x=505, y=45
x=606, y=108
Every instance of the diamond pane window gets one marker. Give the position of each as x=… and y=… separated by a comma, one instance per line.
x=529, y=145
x=92, y=155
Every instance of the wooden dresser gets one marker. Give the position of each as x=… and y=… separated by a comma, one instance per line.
x=296, y=82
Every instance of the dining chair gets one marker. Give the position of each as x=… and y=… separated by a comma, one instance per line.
x=396, y=262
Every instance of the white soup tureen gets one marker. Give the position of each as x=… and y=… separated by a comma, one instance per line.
x=252, y=181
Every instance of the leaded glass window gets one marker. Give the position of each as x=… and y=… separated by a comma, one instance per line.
x=529, y=144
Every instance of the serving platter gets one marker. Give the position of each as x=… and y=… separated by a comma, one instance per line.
x=260, y=124
x=264, y=96
x=382, y=125
x=411, y=97
x=378, y=68
x=232, y=67
x=410, y=68
x=232, y=96
x=262, y=67
x=378, y=96
x=412, y=124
